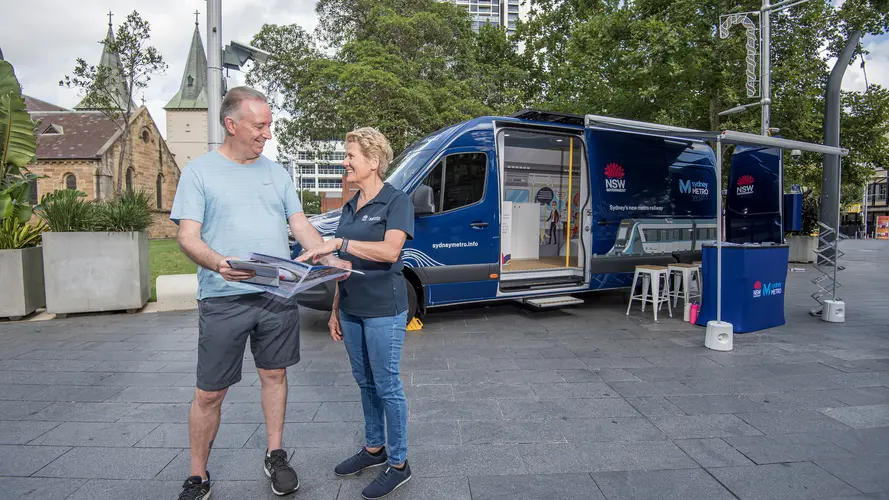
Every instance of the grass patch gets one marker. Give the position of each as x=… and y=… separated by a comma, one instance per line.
x=166, y=258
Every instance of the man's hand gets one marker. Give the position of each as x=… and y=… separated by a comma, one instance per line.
x=230, y=274
x=336, y=333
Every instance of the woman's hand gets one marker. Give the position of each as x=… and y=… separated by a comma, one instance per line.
x=333, y=324
x=326, y=248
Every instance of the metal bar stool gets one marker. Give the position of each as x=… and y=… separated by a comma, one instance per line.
x=652, y=277
x=682, y=276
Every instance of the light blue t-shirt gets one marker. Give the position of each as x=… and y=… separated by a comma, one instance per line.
x=241, y=208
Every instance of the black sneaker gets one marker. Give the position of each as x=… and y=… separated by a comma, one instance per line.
x=278, y=469
x=386, y=482
x=195, y=488
x=360, y=461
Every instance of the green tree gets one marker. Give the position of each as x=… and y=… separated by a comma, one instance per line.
x=110, y=88
x=311, y=202
x=407, y=67
x=662, y=61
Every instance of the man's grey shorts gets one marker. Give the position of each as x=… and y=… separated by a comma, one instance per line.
x=224, y=323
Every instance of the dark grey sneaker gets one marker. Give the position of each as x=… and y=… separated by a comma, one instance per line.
x=278, y=469
x=195, y=488
x=390, y=479
x=360, y=461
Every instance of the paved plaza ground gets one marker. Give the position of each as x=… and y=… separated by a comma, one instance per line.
x=581, y=403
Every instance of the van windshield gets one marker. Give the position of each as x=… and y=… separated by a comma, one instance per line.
x=406, y=165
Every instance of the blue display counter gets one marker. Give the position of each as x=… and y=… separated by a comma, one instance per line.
x=753, y=286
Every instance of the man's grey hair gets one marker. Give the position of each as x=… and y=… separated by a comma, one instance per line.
x=231, y=103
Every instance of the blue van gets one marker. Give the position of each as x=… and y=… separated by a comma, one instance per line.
x=542, y=206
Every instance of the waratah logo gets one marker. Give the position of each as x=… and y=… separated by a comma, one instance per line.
x=757, y=289
x=614, y=181
x=745, y=185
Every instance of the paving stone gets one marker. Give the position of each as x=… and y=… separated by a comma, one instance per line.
x=176, y=436
x=95, y=434
x=863, y=396
x=781, y=481
x=37, y=488
x=712, y=452
x=19, y=392
x=869, y=441
x=51, y=378
x=18, y=432
x=786, y=448
x=156, y=413
x=524, y=376
x=703, y=426
x=432, y=488
x=259, y=490
x=250, y=413
x=791, y=422
x=534, y=487
x=578, y=390
x=796, y=400
x=437, y=433
x=465, y=460
x=311, y=435
x=110, y=463
x=54, y=365
x=602, y=363
x=448, y=377
x=655, y=406
x=349, y=411
x=660, y=485
x=84, y=412
x=27, y=460
x=428, y=392
x=592, y=430
x=155, y=395
x=613, y=456
x=245, y=464
x=868, y=475
x=107, y=489
x=75, y=393
x=697, y=405
x=539, y=409
x=492, y=391
x=438, y=409
x=509, y=432
x=616, y=375
x=861, y=417
x=868, y=379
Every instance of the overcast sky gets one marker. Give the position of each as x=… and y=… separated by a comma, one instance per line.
x=43, y=39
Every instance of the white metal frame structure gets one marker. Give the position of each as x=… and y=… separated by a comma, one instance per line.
x=719, y=137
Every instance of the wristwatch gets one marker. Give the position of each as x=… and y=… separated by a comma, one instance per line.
x=344, y=245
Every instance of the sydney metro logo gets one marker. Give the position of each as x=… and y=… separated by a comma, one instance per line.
x=767, y=289
x=745, y=185
x=615, y=182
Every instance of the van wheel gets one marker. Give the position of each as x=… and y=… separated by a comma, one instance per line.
x=412, y=306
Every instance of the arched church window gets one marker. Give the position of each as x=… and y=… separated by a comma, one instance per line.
x=130, y=173
x=190, y=81
x=70, y=181
x=159, y=187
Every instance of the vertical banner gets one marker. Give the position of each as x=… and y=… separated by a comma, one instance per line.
x=883, y=227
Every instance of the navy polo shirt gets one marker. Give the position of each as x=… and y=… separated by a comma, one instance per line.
x=381, y=291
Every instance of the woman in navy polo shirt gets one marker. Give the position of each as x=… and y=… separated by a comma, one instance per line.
x=370, y=310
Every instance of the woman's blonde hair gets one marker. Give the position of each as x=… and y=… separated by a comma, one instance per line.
x=373, y=144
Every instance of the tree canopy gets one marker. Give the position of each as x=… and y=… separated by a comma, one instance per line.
x=410, y=67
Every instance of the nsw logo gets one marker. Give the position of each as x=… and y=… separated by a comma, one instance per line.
x=614, y=178
x=745, y=185
x=767, y=289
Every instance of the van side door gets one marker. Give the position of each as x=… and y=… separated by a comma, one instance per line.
x=455, y=248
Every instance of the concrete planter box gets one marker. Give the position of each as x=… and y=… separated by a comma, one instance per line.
x=92, y=272
x=802, y=248
x=21, y=279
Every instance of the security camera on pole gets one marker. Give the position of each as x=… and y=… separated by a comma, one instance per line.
x=234, y=56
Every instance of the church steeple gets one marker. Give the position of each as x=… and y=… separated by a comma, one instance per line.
x=111, y=60
x=192, y=91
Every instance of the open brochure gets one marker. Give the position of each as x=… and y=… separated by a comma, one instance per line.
x=284, y=277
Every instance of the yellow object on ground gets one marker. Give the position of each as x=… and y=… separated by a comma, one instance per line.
x=415, y=325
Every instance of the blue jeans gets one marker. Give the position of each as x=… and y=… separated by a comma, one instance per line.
x=374, y=347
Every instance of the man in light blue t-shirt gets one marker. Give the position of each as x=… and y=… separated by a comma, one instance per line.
x=230, y=202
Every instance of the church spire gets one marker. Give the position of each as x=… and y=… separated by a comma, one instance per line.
x=111, y=60
x=192, y=90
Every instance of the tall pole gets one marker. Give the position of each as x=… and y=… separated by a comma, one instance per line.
x=214, y=73
x=865, y=209
x=718, y=229
x=830, y=170
x=766, y=85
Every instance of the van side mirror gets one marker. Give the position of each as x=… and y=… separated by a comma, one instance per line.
x=422, y=199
